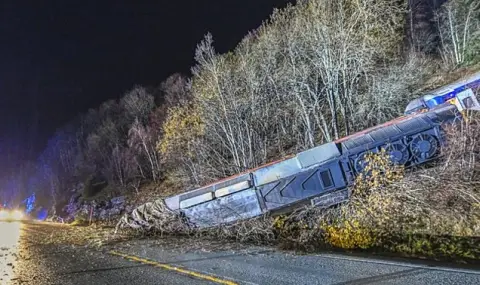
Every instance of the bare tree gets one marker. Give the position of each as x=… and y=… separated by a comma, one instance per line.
x=390, y=89
x=420, y=27
x=459, y=30
x=138, y=104
x=291, y=84
x=175, y=90
x=143, y=140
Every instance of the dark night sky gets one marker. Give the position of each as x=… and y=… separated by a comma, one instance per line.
x=59, y=58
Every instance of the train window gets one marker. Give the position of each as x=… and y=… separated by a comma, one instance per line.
x=468, y=102
x=326, y=179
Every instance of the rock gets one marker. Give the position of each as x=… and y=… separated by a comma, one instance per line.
x=73, y=205
x=102, y=210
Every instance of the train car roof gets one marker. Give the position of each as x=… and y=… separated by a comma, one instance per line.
x=242, y=173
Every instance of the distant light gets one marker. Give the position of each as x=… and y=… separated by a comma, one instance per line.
x=30, y=203
x=42, y=214
x=4, y=214
x=14, y=215
x=17, y=215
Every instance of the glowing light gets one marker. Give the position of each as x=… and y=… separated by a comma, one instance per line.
x=4, y=214
x=30, y=203
x=42, y=214
x=15, y=215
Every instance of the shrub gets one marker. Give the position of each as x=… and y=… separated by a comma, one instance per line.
x=348, y=234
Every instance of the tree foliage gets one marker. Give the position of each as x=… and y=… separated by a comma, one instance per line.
x=459, y=30
x=295, y=82
x=311, y=73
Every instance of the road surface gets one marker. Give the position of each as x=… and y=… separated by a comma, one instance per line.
x=25, y=258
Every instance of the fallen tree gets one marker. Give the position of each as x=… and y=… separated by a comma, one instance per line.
x=155, y=217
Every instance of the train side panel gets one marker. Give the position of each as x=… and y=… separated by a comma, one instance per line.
x=303, y=185
x=234, y=207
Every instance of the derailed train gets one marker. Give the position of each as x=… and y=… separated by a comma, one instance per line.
x=321, y=175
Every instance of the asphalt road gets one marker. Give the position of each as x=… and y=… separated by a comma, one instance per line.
x=26, y=259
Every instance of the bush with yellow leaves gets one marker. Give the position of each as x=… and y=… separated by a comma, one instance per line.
x=379, y=171
x=428, y=212
x=181, y=129
x=359, y=223
x=348, y=234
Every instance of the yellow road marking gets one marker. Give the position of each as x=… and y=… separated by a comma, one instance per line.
x=174, y=268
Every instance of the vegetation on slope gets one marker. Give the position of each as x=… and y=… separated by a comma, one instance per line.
x=313, y=72
x=432, y=212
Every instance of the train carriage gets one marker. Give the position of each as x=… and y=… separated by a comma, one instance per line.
x=321, y=175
